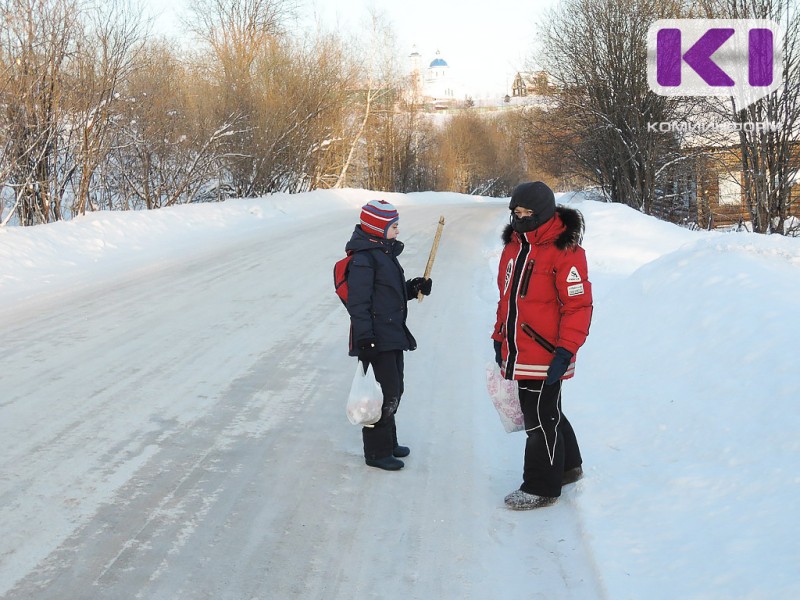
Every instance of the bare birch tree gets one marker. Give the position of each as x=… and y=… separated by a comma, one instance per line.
x=376, y=98
x=770, y=157
x=104, y=59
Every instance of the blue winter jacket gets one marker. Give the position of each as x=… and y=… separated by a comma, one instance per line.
x=377, y=294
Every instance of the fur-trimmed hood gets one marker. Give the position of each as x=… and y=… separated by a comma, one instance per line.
x=565, y=230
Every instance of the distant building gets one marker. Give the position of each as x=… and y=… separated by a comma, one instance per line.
x=435, y=83
x=415, y=68
x=531, y=84
x=719, y=197
x=439, y=85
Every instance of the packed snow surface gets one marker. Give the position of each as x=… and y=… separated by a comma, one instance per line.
x=172, y=413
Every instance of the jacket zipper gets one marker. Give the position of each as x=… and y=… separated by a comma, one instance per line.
x=511, y=318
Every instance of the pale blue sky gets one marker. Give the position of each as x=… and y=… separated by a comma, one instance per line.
x=484, y=41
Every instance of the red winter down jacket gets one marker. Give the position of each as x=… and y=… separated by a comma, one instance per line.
x=545, y=294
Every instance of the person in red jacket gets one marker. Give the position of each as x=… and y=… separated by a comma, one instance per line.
x=543, y=318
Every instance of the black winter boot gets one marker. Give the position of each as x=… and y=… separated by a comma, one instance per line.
x=388, y=463
x=397, y=450
x=378, y=445
x=401, y=451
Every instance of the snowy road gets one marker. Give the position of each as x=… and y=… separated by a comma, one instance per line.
x=178, y=432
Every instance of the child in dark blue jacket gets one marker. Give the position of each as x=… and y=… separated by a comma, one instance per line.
x=377, y=303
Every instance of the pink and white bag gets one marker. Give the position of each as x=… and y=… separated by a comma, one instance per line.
x=505, y=397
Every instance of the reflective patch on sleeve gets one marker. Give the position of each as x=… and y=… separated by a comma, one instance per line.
x=575, y=290
x=574, y=276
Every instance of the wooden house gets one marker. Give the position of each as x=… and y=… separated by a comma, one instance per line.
x=720, y=199
x=531, y=84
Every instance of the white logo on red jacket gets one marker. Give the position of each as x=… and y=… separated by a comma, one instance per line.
x=574, y=276
x=509, y=273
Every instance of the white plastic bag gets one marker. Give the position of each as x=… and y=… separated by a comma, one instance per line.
x=505, y=397
x=366, y=398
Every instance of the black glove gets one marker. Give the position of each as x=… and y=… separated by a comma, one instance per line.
x=498, y=353
x=558, y=366
x=367, y=349
x=417, y=285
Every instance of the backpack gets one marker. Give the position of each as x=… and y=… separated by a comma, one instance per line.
x=340, y=271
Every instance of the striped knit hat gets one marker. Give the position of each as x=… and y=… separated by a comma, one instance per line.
x=377, y=216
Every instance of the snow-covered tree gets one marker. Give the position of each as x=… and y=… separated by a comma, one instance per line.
x=596, y=51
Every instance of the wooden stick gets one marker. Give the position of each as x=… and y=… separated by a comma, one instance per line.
x=432, y=255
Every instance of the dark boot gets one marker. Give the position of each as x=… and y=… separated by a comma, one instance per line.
x=388, y=463
x=378, y=445
x=397, y=450
x=401, y=451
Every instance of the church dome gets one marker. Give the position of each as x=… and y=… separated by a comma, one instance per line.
x=438, y=61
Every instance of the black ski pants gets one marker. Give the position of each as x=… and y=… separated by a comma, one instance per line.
x=381, y=438
x=551, y=446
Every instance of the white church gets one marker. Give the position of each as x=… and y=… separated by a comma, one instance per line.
x=434, y=82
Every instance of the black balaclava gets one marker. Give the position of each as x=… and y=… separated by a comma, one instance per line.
x=535, y=196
